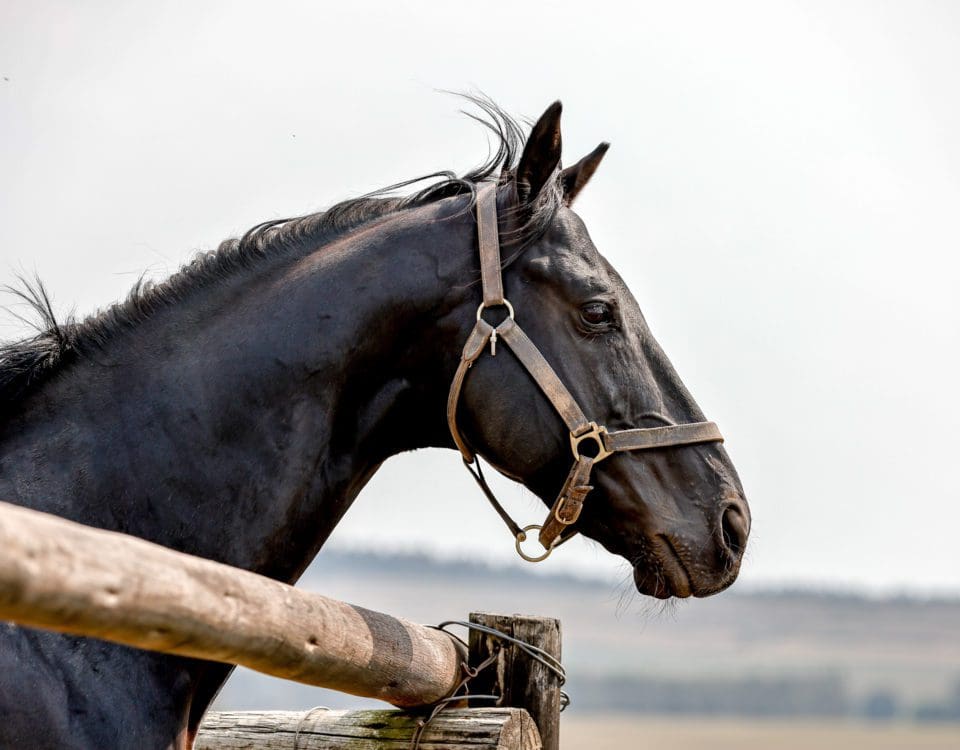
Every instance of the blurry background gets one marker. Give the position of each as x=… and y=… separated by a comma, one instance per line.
x=781, y=196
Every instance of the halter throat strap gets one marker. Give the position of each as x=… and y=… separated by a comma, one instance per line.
x=585, y=435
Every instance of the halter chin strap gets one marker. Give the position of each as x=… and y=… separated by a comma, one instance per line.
x=584, y=434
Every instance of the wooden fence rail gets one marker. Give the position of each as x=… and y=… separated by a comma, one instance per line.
x=64, y=576
x=322, y=729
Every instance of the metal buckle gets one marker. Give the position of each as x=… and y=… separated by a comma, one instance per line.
x=522, y=537
x=556, y=512
x=594, y=432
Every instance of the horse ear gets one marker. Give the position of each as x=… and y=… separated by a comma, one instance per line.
x=541, y=154
x=576, y=177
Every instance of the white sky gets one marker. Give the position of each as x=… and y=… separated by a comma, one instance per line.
x=781, y=196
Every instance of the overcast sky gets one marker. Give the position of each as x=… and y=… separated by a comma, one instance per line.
x=781, y=196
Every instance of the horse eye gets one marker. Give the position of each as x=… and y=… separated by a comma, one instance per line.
x=596, y=313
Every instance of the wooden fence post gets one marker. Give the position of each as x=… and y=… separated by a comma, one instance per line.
x=520, y=681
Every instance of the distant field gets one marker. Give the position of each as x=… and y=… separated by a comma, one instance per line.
x=681, y=733
x=776, y=654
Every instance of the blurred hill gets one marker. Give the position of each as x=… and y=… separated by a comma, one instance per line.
x=750, y=653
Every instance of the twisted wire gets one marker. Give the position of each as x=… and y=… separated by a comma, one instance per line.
x=550, y=662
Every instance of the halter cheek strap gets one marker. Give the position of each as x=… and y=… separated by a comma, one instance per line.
x=557, y=527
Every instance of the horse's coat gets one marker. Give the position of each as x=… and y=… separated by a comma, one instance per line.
x=237, y=410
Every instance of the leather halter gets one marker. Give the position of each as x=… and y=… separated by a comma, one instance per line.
x=557, y=527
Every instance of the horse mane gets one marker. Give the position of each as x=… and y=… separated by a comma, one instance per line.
x=26, y=364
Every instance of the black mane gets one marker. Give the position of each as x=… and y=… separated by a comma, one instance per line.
x=27, y=364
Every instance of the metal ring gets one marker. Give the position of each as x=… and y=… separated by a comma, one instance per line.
x=522, y=537
x=484, y=305
x=595, y=433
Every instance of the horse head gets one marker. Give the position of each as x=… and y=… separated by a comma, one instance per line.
x=675, y=509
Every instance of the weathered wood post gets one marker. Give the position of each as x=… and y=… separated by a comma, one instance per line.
x=521, y=682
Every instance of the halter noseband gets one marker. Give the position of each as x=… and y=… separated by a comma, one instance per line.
x=556, y=528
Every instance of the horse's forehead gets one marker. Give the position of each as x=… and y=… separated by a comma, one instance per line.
x=568, y=232
x=569, y=251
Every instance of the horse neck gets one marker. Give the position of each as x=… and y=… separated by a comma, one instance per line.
x=240, y=423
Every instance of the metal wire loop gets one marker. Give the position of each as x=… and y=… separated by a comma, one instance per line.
x=534, y=652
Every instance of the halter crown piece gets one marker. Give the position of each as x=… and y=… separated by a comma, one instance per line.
x=557, y=528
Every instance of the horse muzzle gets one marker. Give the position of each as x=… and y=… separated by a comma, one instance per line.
x=680, y=563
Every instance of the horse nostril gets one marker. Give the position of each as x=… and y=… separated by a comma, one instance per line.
x=733, y=528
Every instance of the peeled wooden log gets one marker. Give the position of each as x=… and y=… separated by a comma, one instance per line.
x=64, y=576
x=323, y=729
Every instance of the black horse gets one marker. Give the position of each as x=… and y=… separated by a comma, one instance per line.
x=237, y=409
